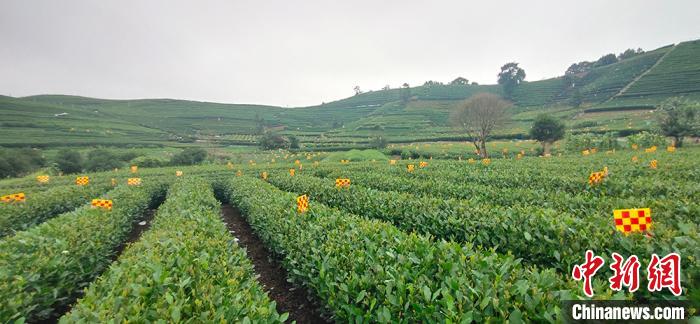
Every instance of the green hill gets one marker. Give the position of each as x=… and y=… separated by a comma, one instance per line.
x=615, y=97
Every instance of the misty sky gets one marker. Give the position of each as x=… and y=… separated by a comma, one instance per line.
x=294, y=53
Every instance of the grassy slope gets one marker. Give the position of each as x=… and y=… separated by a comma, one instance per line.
x=31, y=121
x=677, y=75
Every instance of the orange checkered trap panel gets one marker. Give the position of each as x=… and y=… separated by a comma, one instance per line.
x=632, y=220
x=82, y=181
x=302, y=203
x=102, y=203
x=133, y=181
x=16, y=197
x=596, y=177
x=342, y=183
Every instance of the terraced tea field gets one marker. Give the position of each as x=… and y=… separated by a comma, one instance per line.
x=451, y=241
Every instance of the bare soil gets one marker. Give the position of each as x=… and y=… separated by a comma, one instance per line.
x=294, y=300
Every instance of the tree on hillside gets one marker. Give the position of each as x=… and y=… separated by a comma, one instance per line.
x=606, y=59
x=271, y=141
x=459, y=81
x=510, y=77
x=628, y=53
x=546, y=129
x=102, y=160
x=679, y=118
x=293, y=142
x=189, y=156
x=378, y=142
x=357, y=90
x=479, y=116
x=578, y=68
x=405, y=92
x=259, y=124
x=69, y=161
x=576, y=98
x=432, y=83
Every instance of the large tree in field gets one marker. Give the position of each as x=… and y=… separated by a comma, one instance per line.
x=510, y=77
x=678, y=119
x=546, y=129
x=479, y=116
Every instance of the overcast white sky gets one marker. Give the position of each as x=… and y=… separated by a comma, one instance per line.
x=294, y=53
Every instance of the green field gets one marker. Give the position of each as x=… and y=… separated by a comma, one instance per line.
x=454, y=240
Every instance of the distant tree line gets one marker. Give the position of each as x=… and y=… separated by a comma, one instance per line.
x=16, y=162
x=71, y=161
x=19, y=162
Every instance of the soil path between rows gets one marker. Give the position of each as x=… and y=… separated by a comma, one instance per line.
x=271, y=274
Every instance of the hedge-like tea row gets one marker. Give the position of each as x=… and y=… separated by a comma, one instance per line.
x=185, y=268
x=368, y=270
x=541, y=236
x=43, y=267
x=585, y=204
x=41, y=206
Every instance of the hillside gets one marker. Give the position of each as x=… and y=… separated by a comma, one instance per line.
x=615, y=97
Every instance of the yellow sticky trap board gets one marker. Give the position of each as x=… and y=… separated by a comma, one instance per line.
x=471, y=160
x=422, y=164
x=134, y=168
x=342, y=183
x=410, y=167
x=229, y=165
x=594, y=150
x=671, y=149
x=178, y=173
x=297, y=162
x=519, y=156
x=651, y=149
x=392, y=162
x=133, y=181
x=43, y=179
x=82, y=181
x=16, y=197
x=302, y=203
x=585, y=152
x=635, y=146
x=653, y=164
x=596, y=178
x=263, y=175
x=291, y=172
x=114, y=182
x=632, y=220
x=102, y=203
x=486, y=161
x=239, y=173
